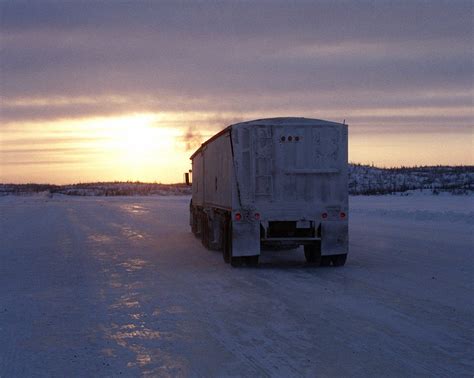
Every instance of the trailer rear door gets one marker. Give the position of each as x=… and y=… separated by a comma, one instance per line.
x=291, y=163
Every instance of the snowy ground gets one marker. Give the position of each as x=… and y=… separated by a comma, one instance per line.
x=119, y=286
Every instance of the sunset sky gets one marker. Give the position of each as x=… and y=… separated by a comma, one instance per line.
x=125, y=91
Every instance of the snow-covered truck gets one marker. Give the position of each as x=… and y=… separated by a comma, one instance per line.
x=275, y=183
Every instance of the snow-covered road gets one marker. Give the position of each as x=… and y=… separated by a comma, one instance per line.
x=119, y=286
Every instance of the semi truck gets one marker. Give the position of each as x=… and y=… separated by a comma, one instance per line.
x=276, y=183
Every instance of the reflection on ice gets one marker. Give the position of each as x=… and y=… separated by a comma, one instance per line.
x=142, y=358
x=132, y=265
x=158, y=362
x=126, y=303
x=131, y=234
x=138, y=329
x=150, y=358
x=128, y=300
x=126, y=332
x=99, y=238
x=134, y=209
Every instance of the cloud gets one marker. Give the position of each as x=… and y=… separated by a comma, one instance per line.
x=301, y=58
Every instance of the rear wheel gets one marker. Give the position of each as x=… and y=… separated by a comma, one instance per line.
x=325, y=260
x=339, y=260
x=236, y=261
x=204, y=230
x=252, y=260
x=194, y=226
x=227, y=241
x=312, y=252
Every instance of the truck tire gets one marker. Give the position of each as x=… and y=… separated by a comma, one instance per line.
x=339, y=260
x=252, y=260
x=236, y=261
x=227, y=241
x=194, y=225
x=312, y=252
x=197, y=226
x=325, y=260
x=204, y=230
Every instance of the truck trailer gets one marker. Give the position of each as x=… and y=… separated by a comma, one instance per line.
x=276, y=183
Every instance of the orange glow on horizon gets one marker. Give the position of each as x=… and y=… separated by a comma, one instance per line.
x=150, y=147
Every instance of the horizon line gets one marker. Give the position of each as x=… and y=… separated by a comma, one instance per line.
x=183, y=183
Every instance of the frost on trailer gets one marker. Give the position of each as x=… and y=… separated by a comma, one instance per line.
x=273, y=183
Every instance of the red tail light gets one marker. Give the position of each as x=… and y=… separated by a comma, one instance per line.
x=342, y=214
x=257, y=216
x=238, y=216
x=324, y=215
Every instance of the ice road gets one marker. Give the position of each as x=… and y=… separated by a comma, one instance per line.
x=119, y=286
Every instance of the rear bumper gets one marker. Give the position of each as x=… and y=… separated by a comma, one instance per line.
x=289, y=240
x=334, y=239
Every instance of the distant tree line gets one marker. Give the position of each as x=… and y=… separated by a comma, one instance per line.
x=363, y=180
x=98, y=189
x=369, y=180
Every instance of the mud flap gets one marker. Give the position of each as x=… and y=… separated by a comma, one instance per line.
x=245, y=238
x=334, y=237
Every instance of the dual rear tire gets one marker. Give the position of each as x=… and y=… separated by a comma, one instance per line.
x=227, y=241
x=312, y=253
x=251, y=261
x=335, y=260
x=234, y=261
x=338, y=260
